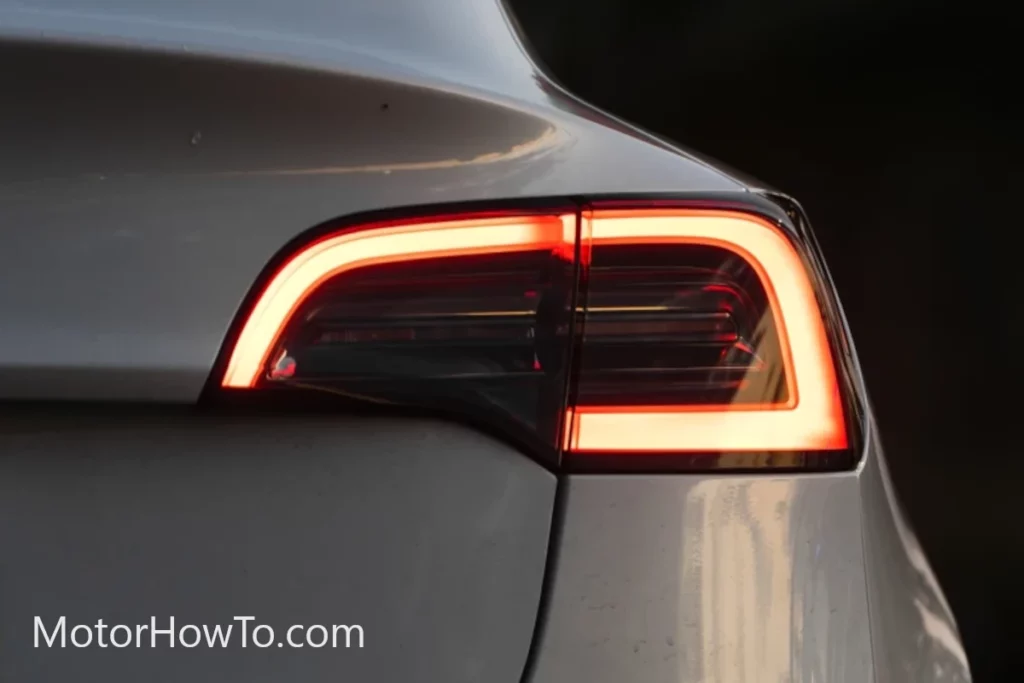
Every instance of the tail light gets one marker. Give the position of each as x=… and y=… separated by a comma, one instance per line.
x=612, y=337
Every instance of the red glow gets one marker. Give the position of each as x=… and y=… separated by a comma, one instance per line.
x=811, y=419
x=335, y=254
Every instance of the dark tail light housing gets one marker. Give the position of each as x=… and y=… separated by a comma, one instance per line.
x=665, y=337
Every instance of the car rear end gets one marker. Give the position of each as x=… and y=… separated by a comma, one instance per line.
x=346, y=329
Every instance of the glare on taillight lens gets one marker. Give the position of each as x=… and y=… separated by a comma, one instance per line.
x=643, y=331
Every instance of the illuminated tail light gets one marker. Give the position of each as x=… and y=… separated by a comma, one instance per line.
x=630, y=334
x=470, y=315
x=741, y=360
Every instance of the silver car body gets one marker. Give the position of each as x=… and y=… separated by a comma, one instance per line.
x=156, y=155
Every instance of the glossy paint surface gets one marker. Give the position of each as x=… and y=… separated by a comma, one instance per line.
x=732, y=579
x=434, y=538
x=709, y=579
x=149, y=176
x=458, y=41
x=430, y=536
x=914, y=636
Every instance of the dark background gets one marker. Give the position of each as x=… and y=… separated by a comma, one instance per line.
x=897, y=125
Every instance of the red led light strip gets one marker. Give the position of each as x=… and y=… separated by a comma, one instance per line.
x=321, y=260
x=811, y=420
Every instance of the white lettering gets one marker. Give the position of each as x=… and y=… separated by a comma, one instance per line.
x=59, y=628
x=127, y=636
x=348, y=634
x=245, y=626
x=154, y=632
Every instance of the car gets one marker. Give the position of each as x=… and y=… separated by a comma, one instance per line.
x=339, y=342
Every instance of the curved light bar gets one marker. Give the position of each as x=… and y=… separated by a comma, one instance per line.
x=811, y=420
x=320, y=260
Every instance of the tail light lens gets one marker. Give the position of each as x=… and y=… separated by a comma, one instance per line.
x=468, y=315
x=739, y=358
x=678, y=335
